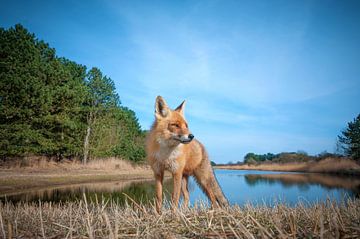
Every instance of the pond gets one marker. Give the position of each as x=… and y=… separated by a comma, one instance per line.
x=239, y=186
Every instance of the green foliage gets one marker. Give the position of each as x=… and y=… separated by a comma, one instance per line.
x=118, y=133
x=285, y=157
x=41, y=96
x=102, y=93
x=349, y=139
x=291, y=157
x=48, y=102
x=253, y=158
x=251, y=161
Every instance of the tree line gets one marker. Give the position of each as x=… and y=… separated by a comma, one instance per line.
x=348, y=145
x=52, y=106
x=286, y=157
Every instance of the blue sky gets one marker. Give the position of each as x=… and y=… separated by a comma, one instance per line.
x=258, y=76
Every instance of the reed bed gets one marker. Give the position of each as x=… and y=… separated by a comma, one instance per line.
x=328, y=165
x=106, y=219
x=44, y=163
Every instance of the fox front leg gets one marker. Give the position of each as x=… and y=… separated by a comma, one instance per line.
x=176, y=192
x=158, y=186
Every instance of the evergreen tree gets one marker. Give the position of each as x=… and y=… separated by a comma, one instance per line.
x=51, y=106
x=350, y=139
x=20, y=92
x=39, y=94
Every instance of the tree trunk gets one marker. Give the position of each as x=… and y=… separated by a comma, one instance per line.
x=87, y=139
x=86, y=145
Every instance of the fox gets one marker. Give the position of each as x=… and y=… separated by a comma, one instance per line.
x=170, y=146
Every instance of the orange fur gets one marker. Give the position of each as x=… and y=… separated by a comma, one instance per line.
x=170, y=146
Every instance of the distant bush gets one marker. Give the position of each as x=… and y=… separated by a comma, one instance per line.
x=251, y=161
x=292, y=157
x=286, y=157
x=325, y=154
x=257, y=158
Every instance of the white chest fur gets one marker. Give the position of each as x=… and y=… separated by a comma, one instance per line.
x=166, y=157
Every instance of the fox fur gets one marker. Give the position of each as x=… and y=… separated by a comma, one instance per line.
x=170, y=146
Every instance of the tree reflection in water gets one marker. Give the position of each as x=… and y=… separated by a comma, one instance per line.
x=140, y=191
x=304, y=180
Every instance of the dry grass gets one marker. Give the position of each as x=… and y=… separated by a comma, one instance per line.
x=107, y=164
x=328, y=165
x=44, y=163
x=106, y=219
x=110, y=163
x=290, y=167
x=28, y=162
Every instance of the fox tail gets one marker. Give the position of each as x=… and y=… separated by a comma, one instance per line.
x=207, y=181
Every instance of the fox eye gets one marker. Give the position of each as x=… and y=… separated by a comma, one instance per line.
x=175, y=125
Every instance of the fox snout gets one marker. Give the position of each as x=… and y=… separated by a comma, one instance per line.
x=185, y=139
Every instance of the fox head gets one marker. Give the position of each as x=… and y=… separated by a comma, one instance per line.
x=171, y=124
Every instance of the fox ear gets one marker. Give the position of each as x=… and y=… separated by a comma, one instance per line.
x=181, y=108
x=161, y=108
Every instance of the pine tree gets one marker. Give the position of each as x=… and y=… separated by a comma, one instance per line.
x=41, y=97
x=349, y=139
x=51, y=106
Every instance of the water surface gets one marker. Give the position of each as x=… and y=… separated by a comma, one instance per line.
x=239, y=186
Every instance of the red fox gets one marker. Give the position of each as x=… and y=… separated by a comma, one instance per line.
x=170, y=146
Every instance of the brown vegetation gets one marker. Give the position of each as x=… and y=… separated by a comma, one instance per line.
x=105, y=219
x=328, y=165
x=41, y=162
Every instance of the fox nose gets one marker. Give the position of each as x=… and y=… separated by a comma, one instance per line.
x=191, y=136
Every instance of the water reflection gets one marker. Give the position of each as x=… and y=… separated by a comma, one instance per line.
x=140, y=191
x=259, y=187
x=239, y=186
x=304, y=181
